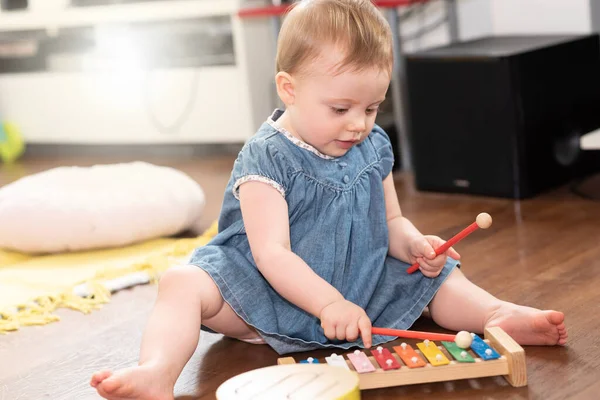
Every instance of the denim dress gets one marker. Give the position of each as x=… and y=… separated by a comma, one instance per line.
x=338, y=226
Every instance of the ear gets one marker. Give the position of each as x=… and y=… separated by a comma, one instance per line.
x=285, y=88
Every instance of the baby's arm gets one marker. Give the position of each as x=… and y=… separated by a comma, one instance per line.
x=266, y=220
x=406, y=242
x=401, y=230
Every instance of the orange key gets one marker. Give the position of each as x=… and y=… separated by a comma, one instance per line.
x=409, y=356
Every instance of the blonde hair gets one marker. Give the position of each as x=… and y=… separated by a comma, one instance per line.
x=355, y=26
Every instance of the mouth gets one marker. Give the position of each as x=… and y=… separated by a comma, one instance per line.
x=346, y=144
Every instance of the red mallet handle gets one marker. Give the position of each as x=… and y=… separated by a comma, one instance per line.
x=413, y=334
x=483, y=221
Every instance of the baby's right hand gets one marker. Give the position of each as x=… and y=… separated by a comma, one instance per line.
x=343, y=320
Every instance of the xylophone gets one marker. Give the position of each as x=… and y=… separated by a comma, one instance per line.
x=495, y=355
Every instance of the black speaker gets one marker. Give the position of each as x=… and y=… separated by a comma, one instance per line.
x=502, y=116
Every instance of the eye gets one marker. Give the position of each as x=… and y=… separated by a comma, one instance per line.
x=339, y=111
x=372, y=110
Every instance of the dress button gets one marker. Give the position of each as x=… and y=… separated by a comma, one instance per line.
x=343, y=164
x=346, y=179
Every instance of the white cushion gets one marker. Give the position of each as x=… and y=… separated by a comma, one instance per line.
x=80, y=208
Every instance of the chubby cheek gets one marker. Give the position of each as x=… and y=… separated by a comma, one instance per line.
x=310, y=113
x=317, y=130
x=328, y=128
x=319, y=120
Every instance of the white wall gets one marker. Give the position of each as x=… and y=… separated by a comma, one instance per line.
x=474, y=18
x=541, y=16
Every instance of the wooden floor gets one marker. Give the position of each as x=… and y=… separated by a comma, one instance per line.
x=543, y=252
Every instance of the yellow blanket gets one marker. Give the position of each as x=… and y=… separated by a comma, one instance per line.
x=31, y=288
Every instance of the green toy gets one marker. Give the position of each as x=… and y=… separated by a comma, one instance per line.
x=11, y=143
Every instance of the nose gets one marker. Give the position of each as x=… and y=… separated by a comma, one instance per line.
x=358, y=125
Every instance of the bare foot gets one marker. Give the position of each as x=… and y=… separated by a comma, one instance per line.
x=143, y=382
x=530, y=326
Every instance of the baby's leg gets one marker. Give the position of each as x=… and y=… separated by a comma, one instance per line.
x=461, y=305
x=186, y=296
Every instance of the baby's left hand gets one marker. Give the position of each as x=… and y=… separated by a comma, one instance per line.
x=421, y=250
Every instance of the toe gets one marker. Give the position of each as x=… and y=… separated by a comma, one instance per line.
x=555, y=317
x=99, y=377
x=111, y=384
x=562, y=341
x=103, y=393
x=563, y=333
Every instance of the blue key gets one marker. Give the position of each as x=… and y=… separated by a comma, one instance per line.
x=482, y=349
x=310, y=360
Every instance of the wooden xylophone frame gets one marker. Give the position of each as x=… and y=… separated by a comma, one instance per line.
x=511, y=365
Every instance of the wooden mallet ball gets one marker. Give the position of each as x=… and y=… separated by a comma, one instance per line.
x=463, y=339
x=483, y=221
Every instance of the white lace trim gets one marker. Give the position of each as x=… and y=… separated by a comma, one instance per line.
x=258, y=178
x=297, y=141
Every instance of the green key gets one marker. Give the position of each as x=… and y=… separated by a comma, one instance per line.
x=461, y=355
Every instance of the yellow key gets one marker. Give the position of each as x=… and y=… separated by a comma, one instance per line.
x=432, y=353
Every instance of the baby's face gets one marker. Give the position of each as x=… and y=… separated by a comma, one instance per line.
x=333, y=111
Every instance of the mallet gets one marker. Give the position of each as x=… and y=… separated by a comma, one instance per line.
x=483, y=221
x=462, y=339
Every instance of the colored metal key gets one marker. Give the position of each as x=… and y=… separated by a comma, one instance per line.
x=361, y=362
x=482, y=349
x=409, y=356
x=337, y=361
x=310, y=360
x=385, y=359
x=460, y=355
x=433, y=354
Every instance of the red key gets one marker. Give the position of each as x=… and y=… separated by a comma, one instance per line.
x=385, y=359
